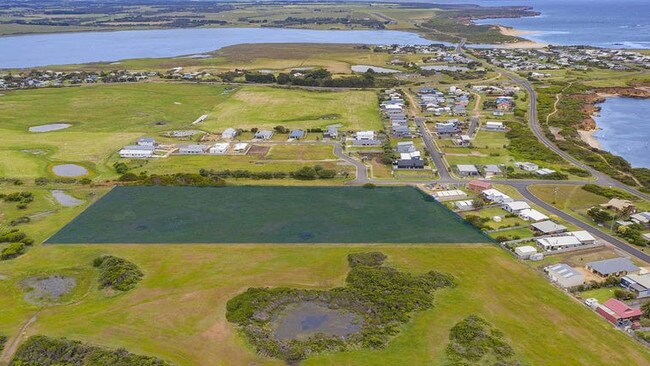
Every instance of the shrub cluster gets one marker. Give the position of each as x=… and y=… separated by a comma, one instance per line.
x=473, y=341
x=177, y=179
x=18, y=243
x=46, y=351
x=382, y=296
x=22, y=198
x=117, y=273
x=3, y=340
x=608, y=192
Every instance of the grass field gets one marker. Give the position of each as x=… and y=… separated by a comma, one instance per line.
x=106, y=117
x=267, y=107
x=269, y=215
x=178, y=311
x=301, y=152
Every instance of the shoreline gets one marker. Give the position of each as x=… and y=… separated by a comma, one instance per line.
x=513, y=32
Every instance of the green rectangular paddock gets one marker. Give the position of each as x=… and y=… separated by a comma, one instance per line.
x=267, y=215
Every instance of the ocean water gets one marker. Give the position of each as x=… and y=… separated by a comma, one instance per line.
x=71, y=48
x=600, y=23
x=624, y=129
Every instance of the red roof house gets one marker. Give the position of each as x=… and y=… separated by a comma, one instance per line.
x=479, y=185
x=618, y=312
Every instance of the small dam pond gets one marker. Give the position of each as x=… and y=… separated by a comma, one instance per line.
x=305, y=319
x=69, y=170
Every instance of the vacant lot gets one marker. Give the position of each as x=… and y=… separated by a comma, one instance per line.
x=178, y=311
x=267, y=107
x=267, y=215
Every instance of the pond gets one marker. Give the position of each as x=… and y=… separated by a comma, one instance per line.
x=65, y=199
x=82, y=47
x=49, y=127
x=69, y=170
x=305, y=319
x=48, y=289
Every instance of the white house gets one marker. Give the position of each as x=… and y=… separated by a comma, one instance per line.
x=496, y=196
x=449, y=195
x=240, y=148
x=544, y=171
x=558, y=242
x=219, y=148
x=583, y=236
x=365, y=135
x=515, y=206
x=229, y=133
x=533, y=215
x=529, y=167
x=136, y=151
x=192, y=149
x=494, y=126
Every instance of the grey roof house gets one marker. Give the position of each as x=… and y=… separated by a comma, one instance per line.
x=612, y=267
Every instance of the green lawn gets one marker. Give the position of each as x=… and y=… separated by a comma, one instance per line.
x=267, y=107
x=269, y=215
x=301, y=152
x=600, y=294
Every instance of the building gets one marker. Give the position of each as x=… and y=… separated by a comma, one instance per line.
x=494, y=126
x=637, y=283
x=219, y=148
x=446, y=128
x=366, y=142
x=136, y=151
x=584, y=237
x=558, y=242
x=477, y=185
x=146, y=141
x=229, y=133
x=619, y=205
x=464, y=205
x=241, y=148
x=619, y=313
x=515, y=206
x=642, y=218
x=365, y=136
x=496, y=196
x=491, y=171
x=263, y=134
x=548, y=227
x=524, y=252
x=612, y=267
x=452, y=194
x=405, y=147
x=529, y=167
x=192, y=149
x=564, y=275
x=467, y=170
x=530, y=214
x=402, y=132
x=297, y=134
x=331, y=133
x=544, y=171
x=409, y=164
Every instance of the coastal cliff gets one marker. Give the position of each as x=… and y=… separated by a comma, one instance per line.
x=590, y=101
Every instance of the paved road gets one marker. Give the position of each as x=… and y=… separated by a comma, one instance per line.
x=436, y=156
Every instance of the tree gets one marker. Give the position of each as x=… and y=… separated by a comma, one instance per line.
x=646, y=309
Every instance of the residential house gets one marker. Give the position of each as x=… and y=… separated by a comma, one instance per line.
x=558, y=242
x=544, y=171
x=642, y=218
x=564, y=275
x=478, y=185
x=494, y=126
x=612, y=267
x=515, y=206
x=402, y=132
x=136, y=151
x=219, y=148
x=496, y=196
x=229, y=133
x=331, y=133
x=530, y=214
x=241, y=148
x=464, y=205
x=192, y=149
x=365, y=135
x=263, y=134
x=405, y=147
x=463, y=140
x=637, y=283
x=529, y=167
x=452, y=194
x=446, y=128
x=146, y=141
x=619, y=205
x=619, y=313
x=409, y=164
x=297, y=134
x=548, y=227
x=491, y=171
x=467, y=170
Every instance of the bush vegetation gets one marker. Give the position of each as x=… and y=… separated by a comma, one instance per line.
x=117, y=273
x=3, y=340
x=608, y=192
x=473, y=341
x=46, y=351
x=382, y=296
x=177, y=179
x=18, y=243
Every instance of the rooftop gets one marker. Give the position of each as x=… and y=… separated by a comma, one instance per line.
x=614, y=265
